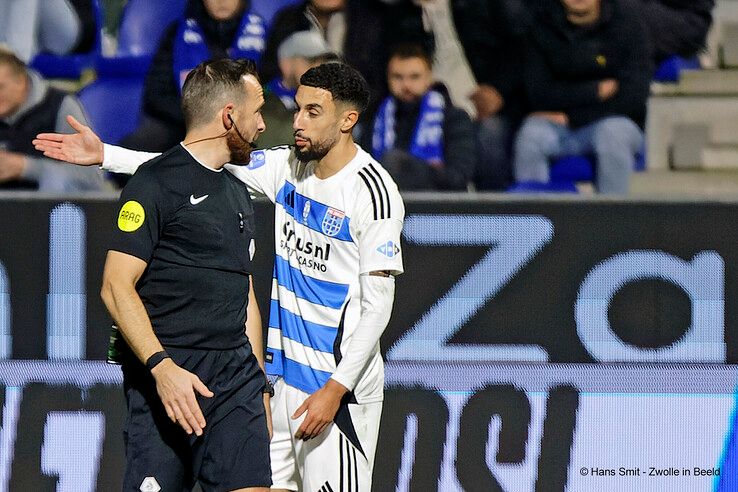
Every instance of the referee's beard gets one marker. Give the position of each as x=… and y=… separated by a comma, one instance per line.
x=240, y=149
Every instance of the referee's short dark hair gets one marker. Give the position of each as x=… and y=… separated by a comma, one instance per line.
x=343, y=82
x=211, y=85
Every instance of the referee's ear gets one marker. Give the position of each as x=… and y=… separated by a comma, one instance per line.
x=225, y=116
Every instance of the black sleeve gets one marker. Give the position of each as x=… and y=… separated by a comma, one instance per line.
x=459, y=150
x=634, y=78
x=161, y=94
x=545, y=92
x=138, y=224
x=492, y=37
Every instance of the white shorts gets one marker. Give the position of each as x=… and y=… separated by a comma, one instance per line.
x=340, y=459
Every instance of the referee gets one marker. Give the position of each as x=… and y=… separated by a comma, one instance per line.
x=177, y=282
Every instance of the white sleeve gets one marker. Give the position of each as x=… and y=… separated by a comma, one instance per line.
x=378, y=232
x=124, y=161
x=265, y=172
x=377, y=297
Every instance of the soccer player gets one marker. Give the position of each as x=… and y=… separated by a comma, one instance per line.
x=177, y=281
x=338, y=219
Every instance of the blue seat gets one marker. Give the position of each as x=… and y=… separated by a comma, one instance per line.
x=113, y=106
x=670, y=69
x=70, y=66
x=142, y=24
x=268, y=9
x=550, y=187
x=566, y=171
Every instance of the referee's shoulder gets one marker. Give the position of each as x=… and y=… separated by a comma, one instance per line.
x=163, y=162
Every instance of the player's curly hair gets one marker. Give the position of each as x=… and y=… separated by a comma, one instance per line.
x=343, y=82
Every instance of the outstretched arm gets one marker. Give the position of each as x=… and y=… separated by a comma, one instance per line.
x=83, y=147
x=86, y=149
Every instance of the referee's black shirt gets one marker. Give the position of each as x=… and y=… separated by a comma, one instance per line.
x=194, y=227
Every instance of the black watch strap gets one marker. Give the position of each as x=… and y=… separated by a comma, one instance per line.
x=155, y=359
x=268, y=387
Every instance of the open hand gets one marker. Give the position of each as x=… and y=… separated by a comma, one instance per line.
x=176, y=388
x=84, y=147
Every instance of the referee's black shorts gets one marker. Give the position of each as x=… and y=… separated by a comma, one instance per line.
x=233, y=451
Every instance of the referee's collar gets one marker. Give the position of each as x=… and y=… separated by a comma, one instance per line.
x=198, y=160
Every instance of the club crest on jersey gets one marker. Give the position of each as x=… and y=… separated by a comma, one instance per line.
x=257, y=160
x=332, y=222
x=388, y=249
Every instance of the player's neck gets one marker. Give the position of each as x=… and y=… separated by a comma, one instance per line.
x=337, y=158
x=208, y=148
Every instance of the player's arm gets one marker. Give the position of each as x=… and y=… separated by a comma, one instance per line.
x=175, y=385
x=377, y=298
x=380, y=260
x=86, y=149
x=264, y=174
x=256, y=338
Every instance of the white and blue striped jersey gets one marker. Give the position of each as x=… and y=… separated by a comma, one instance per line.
x=327, y=233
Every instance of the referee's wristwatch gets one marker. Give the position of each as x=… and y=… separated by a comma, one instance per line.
x=155, y=359
x=268, y=387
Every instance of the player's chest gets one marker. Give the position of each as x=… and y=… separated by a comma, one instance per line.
x=316, y=211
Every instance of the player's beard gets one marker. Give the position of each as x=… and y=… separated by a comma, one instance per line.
x=239, y=149
x=316, y=150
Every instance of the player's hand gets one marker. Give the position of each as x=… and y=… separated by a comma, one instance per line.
x=176, y=388
x=84, y=147
x=12, y=165
x=321, y=408
x=268, y=414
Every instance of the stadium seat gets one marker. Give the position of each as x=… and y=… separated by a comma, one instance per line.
x=670, y=69
x=566, y=171
x=267, y=9
x=550, y=187
x=71, y=66
x=142, y=24
x=113, y=106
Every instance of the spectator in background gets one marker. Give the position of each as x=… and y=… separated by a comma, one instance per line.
x=476, y=46
x=56, y=26
x=297, y=53
x=210, y=29
x=419, y=136
x=587, y=75
x=353, y=29
x=29, y=106
x=677, y=27
x=491, y=35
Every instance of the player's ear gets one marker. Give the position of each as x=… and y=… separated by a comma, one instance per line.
x=348, y=120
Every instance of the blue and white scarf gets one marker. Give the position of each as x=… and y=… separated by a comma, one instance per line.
x=287, y=96
x=190, y=48
x=427, y=142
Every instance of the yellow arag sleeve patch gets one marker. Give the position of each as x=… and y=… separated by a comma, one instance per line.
x=131, y=216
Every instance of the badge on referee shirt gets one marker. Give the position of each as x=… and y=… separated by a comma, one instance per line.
x=131, y=216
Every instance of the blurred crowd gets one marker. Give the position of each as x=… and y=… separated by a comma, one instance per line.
x=480, y=95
